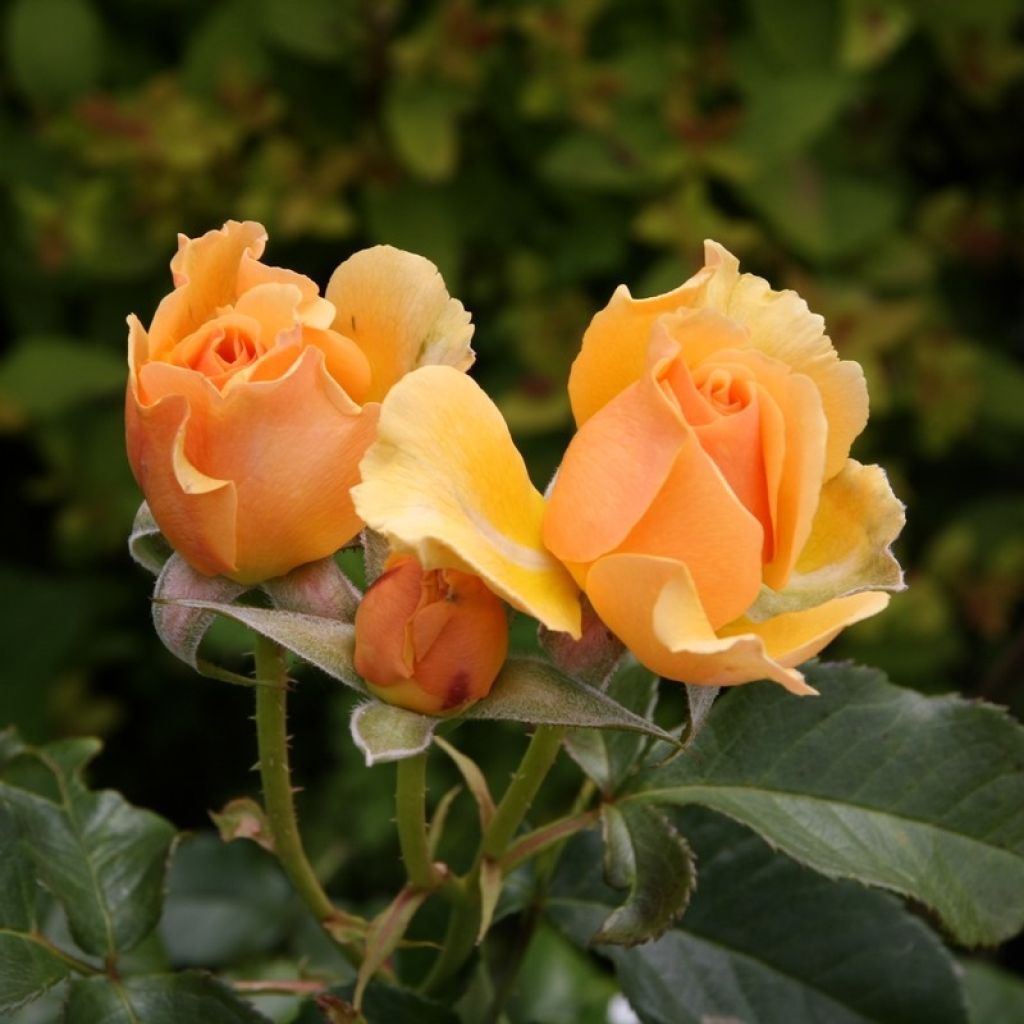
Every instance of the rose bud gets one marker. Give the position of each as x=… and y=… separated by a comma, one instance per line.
x=430, y=641
x=708, y=506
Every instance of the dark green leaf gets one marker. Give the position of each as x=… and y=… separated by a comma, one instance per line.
x=17, y=877
x=383, y=1004
x=27, y=969
x=993, y=995
x=225, y=902
x=608, y=756
x=766, y=940
x=187, y=998
x=644, y=853
x=921, y=795
x=103, y=859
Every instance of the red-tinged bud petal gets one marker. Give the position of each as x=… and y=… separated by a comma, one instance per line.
x=430, y=641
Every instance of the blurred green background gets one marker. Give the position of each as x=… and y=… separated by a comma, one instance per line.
x=866, y=153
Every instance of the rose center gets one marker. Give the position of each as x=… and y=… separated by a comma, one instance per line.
x=726, y=392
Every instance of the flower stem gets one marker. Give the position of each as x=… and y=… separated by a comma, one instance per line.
x=533, y=769
x=410, y=807
x=275, y=775
x=464, y=923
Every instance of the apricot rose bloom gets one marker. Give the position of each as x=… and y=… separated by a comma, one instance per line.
x=432, y=641
x=251, y=399
x=707, y=505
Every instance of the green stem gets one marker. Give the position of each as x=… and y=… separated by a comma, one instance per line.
x=411, y=810
x=533, y=769
x=464, y=923
x=543, y=839
x=275, y=775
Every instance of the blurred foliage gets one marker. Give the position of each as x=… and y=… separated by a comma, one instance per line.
x=864, y=152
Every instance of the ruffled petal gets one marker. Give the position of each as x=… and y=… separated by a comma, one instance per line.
x=614, y=348
x=652, y=605
x=444, y=481
x=196, y=512
x=205, y=272
x=312, y=310
x=782, y=326
x=849, y=548
x=395, y=307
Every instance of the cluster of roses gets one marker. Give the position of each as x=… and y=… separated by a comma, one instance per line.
x=707, y=506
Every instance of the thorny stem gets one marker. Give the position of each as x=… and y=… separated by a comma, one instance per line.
x=410, y=808
x=464, y=923
x=275, y=775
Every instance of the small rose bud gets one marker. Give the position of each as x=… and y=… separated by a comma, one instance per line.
x=430, y=641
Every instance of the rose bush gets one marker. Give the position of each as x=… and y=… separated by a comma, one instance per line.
x=432, y=641
x=248, y=403
x=707, y=505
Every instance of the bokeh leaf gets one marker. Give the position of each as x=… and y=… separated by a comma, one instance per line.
x=54, y=48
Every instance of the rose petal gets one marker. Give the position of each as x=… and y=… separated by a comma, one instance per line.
x=611, y=472
x=312, y=310
x=613, y=353
x=291, y=443
x=205, y=274
x=849, y=549
x=272, y=446
x=652, y=605
x=196, y=513
x=794, y=637
x=444, y=481
x=782, y=326
x=395, y=307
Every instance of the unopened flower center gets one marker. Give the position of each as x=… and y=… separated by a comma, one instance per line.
x=727, y=392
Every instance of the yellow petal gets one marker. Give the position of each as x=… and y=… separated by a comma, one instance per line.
x=849, y=548
x=782, y=326
x=395, y=307
x=614, y=348
x=444, y=481
x=652, y=605
x=796, y=636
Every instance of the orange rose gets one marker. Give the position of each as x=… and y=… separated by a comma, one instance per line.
x=431, y=641
x=707, y=504
x=244, y=418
